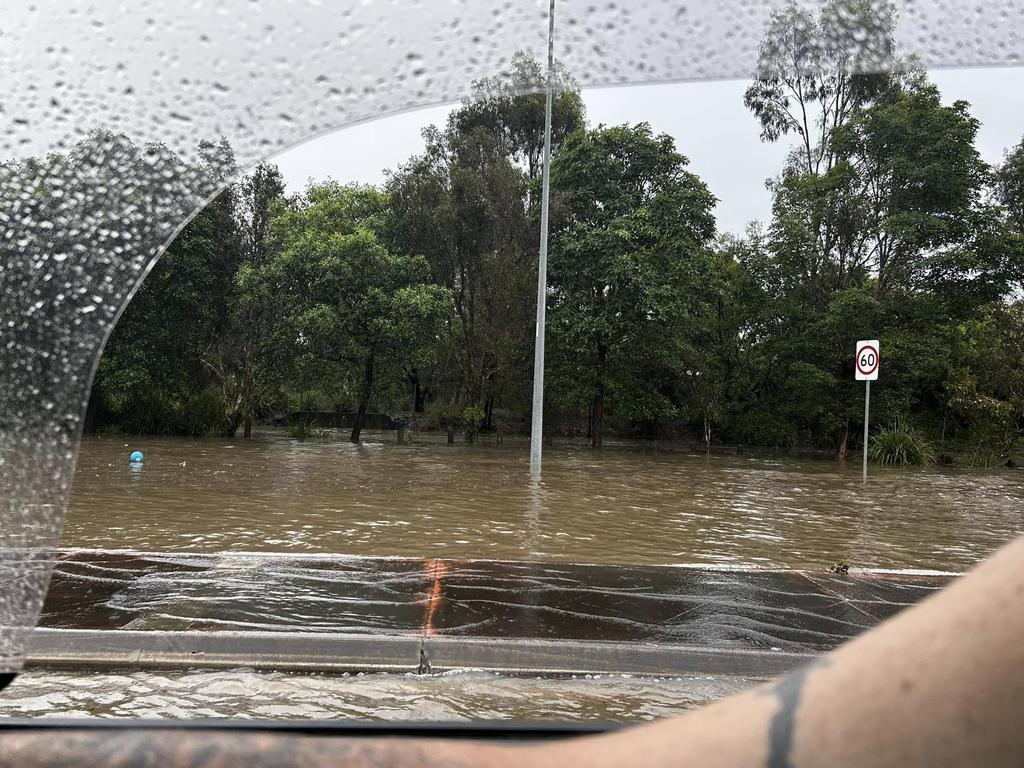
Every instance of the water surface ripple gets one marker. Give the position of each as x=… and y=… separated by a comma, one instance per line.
x=627, y=504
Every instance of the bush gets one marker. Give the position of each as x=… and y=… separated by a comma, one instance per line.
x=901, y=444
x=441, y=416
x=472, y=421
x=761, y=428
x=307, y=430
x=204, y=414
x=981, y=458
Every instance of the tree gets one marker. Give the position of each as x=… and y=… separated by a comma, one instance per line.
x=464, y=204
x=629, y=248
x=150, y=378
x=918, y=184
x=816, y=71
x=511, y=109
x=238, y=355
x=354, y=311
x=1010, y=187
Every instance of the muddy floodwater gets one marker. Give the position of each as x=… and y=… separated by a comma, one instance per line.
x=629, y=504
x=468, y=695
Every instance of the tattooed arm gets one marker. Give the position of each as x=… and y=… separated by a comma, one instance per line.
x=941, y=684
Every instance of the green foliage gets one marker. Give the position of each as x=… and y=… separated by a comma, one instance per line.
x=307, y=430
x=420, y=296
x=901, y=444
x=353, y=311
x=980, y=458
x=629, y=249
x=443, y=415
x=463, y=205
x=187, y=356
x=472, y=420
x=511, y=107
x=1010, y=187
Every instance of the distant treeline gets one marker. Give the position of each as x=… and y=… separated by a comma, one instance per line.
x=419, y=296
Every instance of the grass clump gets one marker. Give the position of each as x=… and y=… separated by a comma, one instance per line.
x=307, y=430
x=900, y=445
x=981, y=458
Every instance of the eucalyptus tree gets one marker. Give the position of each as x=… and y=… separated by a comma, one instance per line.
x=464, y=204
x=511, y=107
x=629, y=251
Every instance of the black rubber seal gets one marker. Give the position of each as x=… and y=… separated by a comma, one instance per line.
x=480, y=730
x=6, y=678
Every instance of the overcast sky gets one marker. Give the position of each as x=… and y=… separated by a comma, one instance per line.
x=708, y=121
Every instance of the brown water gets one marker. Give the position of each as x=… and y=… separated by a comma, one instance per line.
x=468, y=695
x=637, y=504
x=628, y=503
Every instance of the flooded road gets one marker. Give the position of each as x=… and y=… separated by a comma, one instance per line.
x=628, y=504
x=468, y=695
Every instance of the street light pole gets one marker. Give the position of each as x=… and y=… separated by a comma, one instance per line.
x=537, y=425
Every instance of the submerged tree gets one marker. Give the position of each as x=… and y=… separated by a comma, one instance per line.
x=353, y=310
x=464, y=205
x=629, y=251
x=239, y=356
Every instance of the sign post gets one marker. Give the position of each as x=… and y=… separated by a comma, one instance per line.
x=866, y=366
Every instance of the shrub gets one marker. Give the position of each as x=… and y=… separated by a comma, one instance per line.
x=442, y=416
x=901, y=444
x=472, y=421
x=307, y=430
x=981, y=458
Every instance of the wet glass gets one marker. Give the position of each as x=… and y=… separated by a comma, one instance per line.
x=104, y=108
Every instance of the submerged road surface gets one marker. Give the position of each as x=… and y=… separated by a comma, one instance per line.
x=338, y=613
x=173, y=635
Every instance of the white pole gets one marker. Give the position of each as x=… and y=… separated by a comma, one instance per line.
x=537, y=426
x=867, y=412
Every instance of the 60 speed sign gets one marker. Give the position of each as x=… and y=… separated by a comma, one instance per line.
x=866, y=361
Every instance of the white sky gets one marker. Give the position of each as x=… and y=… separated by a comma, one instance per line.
x=707, y=119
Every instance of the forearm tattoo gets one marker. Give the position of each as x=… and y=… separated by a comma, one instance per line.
x=168, y=749
x=788, y=691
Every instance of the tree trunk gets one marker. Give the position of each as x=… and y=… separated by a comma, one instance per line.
x=364, y=401
x=247, y=433
x=842, y=448
x=234, y=421
x=419, y=392
x=488, y=425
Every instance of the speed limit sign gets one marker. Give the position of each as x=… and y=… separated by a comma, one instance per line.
x=866, y=361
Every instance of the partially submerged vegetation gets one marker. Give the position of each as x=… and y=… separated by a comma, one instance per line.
x=901, y=444
x=418, y=297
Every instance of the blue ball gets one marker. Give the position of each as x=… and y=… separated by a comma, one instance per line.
x=136, y=457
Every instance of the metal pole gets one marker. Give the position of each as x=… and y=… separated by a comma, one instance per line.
x=867, y=412
x=537, y=426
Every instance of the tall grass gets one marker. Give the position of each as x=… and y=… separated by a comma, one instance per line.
x=901, y=444
x=981, y=458
x=307, y=430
